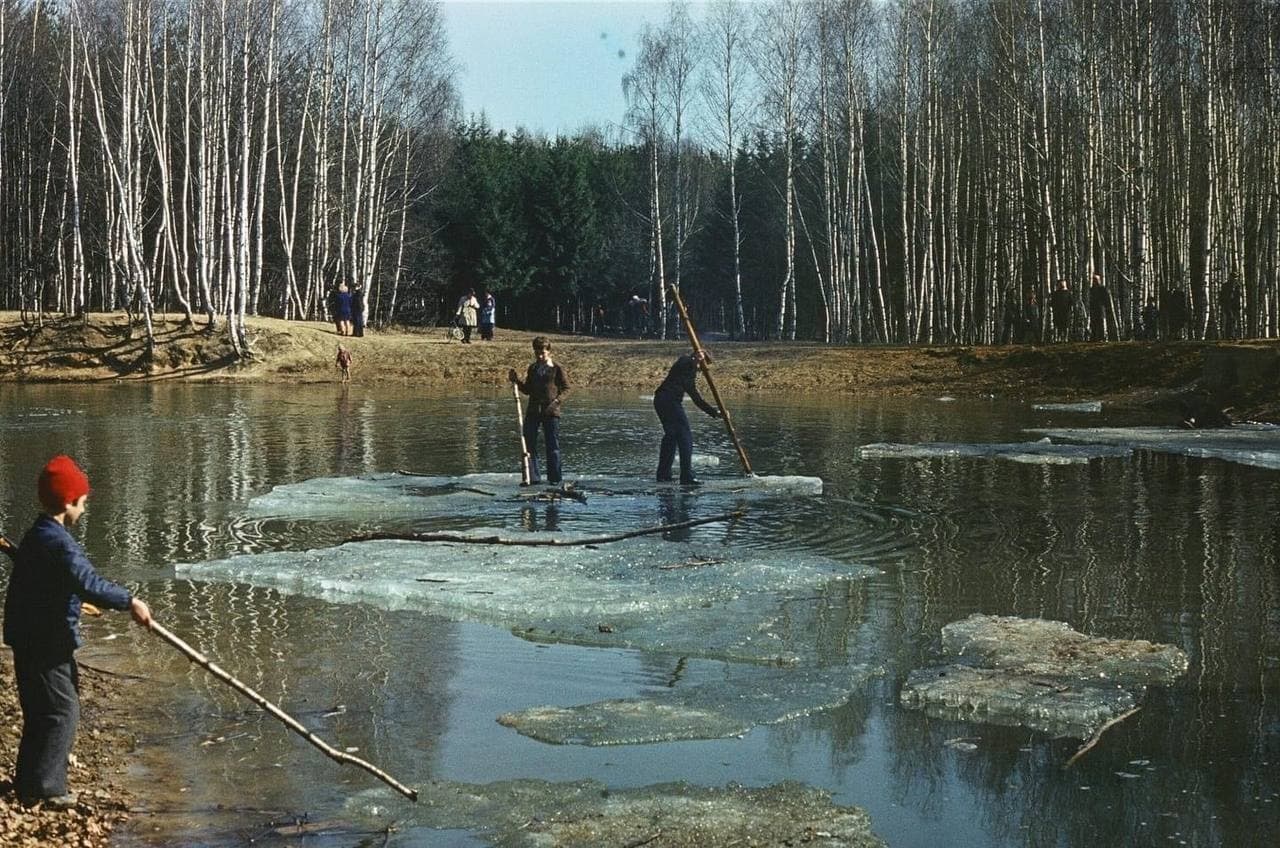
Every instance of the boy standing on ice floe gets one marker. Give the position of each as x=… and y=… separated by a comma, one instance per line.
x=547, y=385
x=51, y=575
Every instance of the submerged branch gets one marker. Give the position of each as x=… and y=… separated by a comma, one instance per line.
x=1097, y=736
x=462, y=538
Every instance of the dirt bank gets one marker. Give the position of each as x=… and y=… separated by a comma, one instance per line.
x=1243, y=375
x=98, y=758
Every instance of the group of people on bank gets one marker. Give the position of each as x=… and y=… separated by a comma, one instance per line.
x=346, y=305
x=547, y=385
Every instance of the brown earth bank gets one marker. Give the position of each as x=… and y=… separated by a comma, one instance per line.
x=1160, y=377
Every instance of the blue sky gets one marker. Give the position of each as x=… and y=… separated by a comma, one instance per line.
x=550, y=67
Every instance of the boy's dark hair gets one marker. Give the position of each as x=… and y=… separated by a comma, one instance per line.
x=541, y=343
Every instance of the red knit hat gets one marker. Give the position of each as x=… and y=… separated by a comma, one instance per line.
x=61, y=482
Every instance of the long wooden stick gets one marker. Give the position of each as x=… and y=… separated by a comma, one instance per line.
x=526, y=473
x=706, y=372
x=461, y=538
x=288, y=720
x=293, y=724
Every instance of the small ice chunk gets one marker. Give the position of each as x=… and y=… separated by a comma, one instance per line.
x=1082, y=406
x=730, y=708
x=1038, y=674
x=1246, y=444
x=1043, y=452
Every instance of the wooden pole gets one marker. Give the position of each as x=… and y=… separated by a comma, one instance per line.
x=706, y=372
x=288, y=720
x=526, y=473
x=293, y=724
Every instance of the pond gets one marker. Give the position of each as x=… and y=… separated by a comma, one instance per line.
x=1172, y=548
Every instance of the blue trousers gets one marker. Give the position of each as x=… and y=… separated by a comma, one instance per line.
x=48, y=691
x=551, y=432
x=676, y=435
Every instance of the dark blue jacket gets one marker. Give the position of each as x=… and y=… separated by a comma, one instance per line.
x=681, y=380
x=51, y=575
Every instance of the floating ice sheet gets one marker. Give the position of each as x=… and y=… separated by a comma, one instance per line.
x=1083, y=406
x=1038, y=674
x=1042, y=452
x=1040, y=647
x=998, y=696
x=1247, y=444
x=588, y=814
x=401, y=495
x=707, y=711
x=699, y=599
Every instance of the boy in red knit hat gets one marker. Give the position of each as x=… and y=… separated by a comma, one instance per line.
x=51, y=576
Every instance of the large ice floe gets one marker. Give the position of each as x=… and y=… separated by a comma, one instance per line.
x=1041, y=452
x=700, y=595
x=1038, y=674
x=1247, y=444
x=696, y=599
x=405, y=495
x=588, y=814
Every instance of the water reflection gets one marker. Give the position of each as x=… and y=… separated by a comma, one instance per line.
x=1160, y=547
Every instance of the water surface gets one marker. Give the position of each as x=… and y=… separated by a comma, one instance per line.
x=1169, y=548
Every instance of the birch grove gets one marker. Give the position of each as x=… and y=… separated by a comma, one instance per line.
x=844, y=171
x=226, y=157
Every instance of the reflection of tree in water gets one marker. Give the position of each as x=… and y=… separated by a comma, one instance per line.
x=1158, y=547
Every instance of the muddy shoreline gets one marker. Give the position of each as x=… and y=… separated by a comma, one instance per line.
x=1157, y=376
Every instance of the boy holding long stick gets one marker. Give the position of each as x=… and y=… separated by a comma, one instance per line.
x=51, y=576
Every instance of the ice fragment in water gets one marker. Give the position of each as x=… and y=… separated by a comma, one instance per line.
x=1247, y=444
x=728, y=610
x=534, y=813
x=751, y=697
x=1083, y=406
x=1038, y=674
x=1043, y=452
x=389, y=496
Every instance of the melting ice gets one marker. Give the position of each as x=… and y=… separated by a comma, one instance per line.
x=1248, y=444
x=1042, y=452
x=403, y=495
x=696, y=599
x=1038, y=674
x=1082, y=406
x=587, y=814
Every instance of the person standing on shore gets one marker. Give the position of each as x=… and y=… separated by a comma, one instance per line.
x=1061, y=306
x=342, y=310
x=357, y=311
x=51, y=576
x=668, y=402
x=468, y=311
x=547, y=385
x=488, y=313
x=1101, y=310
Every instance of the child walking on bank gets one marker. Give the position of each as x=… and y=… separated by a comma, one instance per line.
x=51, y=576
x=344, y=363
